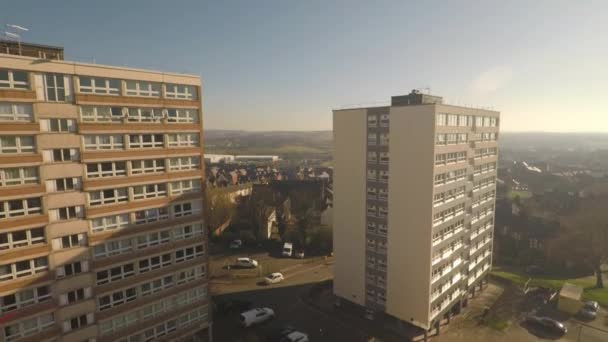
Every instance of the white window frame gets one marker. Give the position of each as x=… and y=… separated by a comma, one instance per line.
x=185, y=186
x=189, y=253
x=123, y=270
x=184, y=163
x=180, y=210
x=23, y=178
x=99, y=86
x=66, y=213
x=153, y=239
x=31, y=270
x=29, y=326
x=100, y=173
x=140, y=143
x=109, y=223
x=70, y=241
x=112, y=247
x=15, y=84
x=152, y=215
x=149, y=191
x=66, y=155
x=181, y=115
x=28, y=208
x=109, y=114
x=154, y=262
x=142, y=88
x=180, y=91
x=51, y=87
x=188, y=231
x=71, y=269
x=12, y=241
x=25, y=297
x=20, y=145
x=136, y=114
x=117, y=298
x=140, y=167
x=26, y=114
x=183, y=140
x=117, y=142
x=119, y=195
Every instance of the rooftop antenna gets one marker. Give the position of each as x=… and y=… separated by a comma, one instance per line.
x=427, y=90
x=15, y=35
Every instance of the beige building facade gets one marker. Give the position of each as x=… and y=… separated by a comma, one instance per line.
x=414, y=196
x=101, y=180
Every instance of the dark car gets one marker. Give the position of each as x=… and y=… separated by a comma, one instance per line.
x=547, y=324
x=592, y=306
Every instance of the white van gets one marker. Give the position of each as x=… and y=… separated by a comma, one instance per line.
x=256, y=316
x=287, y=249
x=246, y=262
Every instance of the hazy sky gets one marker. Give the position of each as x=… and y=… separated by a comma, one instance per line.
x=283, y=65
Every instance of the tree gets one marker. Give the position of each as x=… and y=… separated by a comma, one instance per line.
x=587, y=235
x=217, y=208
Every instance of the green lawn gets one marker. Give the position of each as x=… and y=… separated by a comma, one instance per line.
x=588, y=283
x=522, y=194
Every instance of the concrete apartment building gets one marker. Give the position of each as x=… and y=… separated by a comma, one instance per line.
x=101, y=226
x=413, y=214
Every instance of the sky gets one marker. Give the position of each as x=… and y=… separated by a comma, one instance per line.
x=284, y=65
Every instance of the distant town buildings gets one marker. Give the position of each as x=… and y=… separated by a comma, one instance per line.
x=228, y=158
x=414, y=195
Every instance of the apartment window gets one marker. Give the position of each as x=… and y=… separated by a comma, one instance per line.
x=188, y=253
x=119, y=322
x=117, y=298
x=451, y=158
x=142, y=88
x=372, y=157
x=371, y=175
x=17, y=144
x=14, y=79
x=372, y=121
x=182, y=115
x=28, y=326
x=146, y=140
x=58, y=125
x=69, y=241
x=71, y=269
x=103, y=142
x=75, y=296
x=372, y=139
x=441, y=119
x=384, y=138
x=384, y=176
x=101, y=114
x=21, y=238
x=184, y=163
x=463, y=120
x=156, y=285
x=382, y=229
x=63, y=184
x=153, y=239
x=452, y=120
x=18, y=176
x=187, y=231
x=66, y=213
x=159, y=330
x=451, y=138
x=440, y=139
x=190, y=274
x=182, y=209
x=371, y=192
x=183, y=140
x=54, y=87
x=145, y=114
x=155, y=262
x=151, y=215
x=371, y=227
x=60, y=155
x=179, y=91
x=185, y=186
x=20, y=207
x=382, y=194
x=479, y=121
x=107, y=223
x=97, y=85
x=147, y=166
x=115, y=273
x=108, y=196
x=149, y=191
x=23, y=298
x=384, y=120
x=23, y=268
x=106, y=169
x=16, y=112
x=462, y=138
x=371, y=210
x=77, y=322
x=382, y=211
x=493, y=122
x=384, y=158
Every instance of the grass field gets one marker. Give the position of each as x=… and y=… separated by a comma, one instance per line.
x=587, y=283
x=522, y=194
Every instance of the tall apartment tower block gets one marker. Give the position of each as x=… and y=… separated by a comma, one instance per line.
x=101, y=226
x=413, y=214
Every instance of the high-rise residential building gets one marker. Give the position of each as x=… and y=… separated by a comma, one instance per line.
x=413, y=214
x=101, y=178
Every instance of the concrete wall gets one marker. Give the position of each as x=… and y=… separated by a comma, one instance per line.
x=410, y=212
x=350, y=142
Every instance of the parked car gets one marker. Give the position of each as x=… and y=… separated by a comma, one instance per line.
x=300, y=254
x=256, y=316
x=547, y=323
x=236, y=244
x=288, y=334
x=295, y=336
x=592, y=305
x=287, y=249
x=274, y=278
x=228, y=306
x=589, y=310
x=246, y=262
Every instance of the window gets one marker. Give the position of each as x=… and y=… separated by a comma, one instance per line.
x=106, y=169
x=146, y=140
x=117, y=298
x=54, y=87
x=66, y=213
x=58, y=125
x=187, y=231
x=21, y=238
x=151, y=215
x=372, y=157
x=147, y=166
x=71, y=269
x=142, y=88
x=384, y=120
x=75, y=296
x=384, y=138
x=24, y=298
x=17, y=144
x=107, y=223
x=451, y=138
x=371, y=175
x=23, y=268
x=20, y=207
x=452, y=120
x=62, y=155
x=383, y=176
x=478, y=121
x=153, y=239
x=185, y=186
x=63, y=184
x=384, y=158
x=16, y=112
x=156, y=285
x=441, y=119
x=372, y=139
x=440, y=159
x=182, y=115
x=108, y=196
x=103, y=142
x=184, y=163
x=97, y=85
x=182, y=209
x=188, y=253
x=69, y=241
x=18, y=176
x=115, y=273
x=28, y=326
x=101, y=114
x=372, y=121
x=179, y=91
x=145, y=114
x=183, y=140
x=440, y=139
x=463, y=120
x=155, y=262
x=190, y=274
x=77, y=322
x=14, y=79
x=149, y=191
